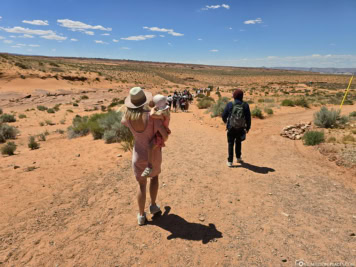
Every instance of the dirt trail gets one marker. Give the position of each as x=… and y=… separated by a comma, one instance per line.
x=284, y=204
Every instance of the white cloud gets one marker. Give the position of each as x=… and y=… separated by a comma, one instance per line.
x=115, y=41
x=54, y=36
x=161, y=35
x=0, y=18
x=8, y=41
x=88, y=32
x=21, y=44
x=74, y=40
x=125, y=48
x=27, y=31
x=16, y=46
x=200, y=39
x=26, y=36
x=253, y=21
x=138, y=37
x=169, y=31
x=216, y=7
x=100, y=42
x=71, y=24
x=230, y=28
x=2, y=38
x=105, y=34
x=214, y=50
x=37, y=22
x=34, y=45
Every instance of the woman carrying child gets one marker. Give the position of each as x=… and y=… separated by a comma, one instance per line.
x=143, y=127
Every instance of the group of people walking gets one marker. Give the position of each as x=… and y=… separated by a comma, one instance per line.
x=180, y=100
x=148, y=120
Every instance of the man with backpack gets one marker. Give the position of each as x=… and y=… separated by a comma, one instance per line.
x=237, y=117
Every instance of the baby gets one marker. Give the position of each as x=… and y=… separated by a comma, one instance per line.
x=159, y=111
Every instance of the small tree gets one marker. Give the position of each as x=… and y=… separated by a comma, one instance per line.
x=8, y=149
x=313, y=138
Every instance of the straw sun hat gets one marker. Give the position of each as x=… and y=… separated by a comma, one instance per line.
x=137, y=98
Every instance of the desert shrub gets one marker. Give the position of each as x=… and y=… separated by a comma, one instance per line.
x=268, y=111
x=7, y=132
x=42, y=108
x=51, y=110
x=83, y=97
x=326, y=118
x=218, y=94
x=42, y=137
x=75, y=105
x=165, y=91
x=69, y=110
x=301, y=102
x=114, y=131
x=60, y=131
x=8, y=149
x=331, y=139
x=32, y=144
x=352, y=114
x=21, y=65
x=79, y=127
x=7, y=118
x=200, y=95
x=250, y=101
x=49, y=122
x=287, y=103
x=56, y=107
x=313, y=138
x=343, y=120
x=22, y=116
x=95, y=129
x=218, y=108
x=103, y=108
x=204, y=103
x=257, y=113
x=348, y=138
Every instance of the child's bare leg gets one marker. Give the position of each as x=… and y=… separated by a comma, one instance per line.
x=148, y=169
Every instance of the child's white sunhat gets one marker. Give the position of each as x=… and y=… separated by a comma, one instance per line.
x=160, y=102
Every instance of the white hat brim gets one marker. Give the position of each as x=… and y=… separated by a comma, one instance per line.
x=129, y=104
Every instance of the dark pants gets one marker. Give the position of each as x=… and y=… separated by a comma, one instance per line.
x=234, y=138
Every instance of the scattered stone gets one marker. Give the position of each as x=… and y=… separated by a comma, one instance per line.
x=201, y=218
x=119, y=156
x=30, y=169
x=352, y=234
x=285, y=214
x=284, y=260
x=295, y=132
x=16, y=167
x=78, y=156
x=28, y=96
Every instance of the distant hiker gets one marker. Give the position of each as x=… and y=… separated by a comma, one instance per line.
x=160, y=111
x=143, y=127
x=175, y=101
x=237, y=117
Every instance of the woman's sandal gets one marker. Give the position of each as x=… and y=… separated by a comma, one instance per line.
x=146, y=172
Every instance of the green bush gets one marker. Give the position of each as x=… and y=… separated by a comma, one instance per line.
x=352, y=114
x=331, y=139
x=32, y=144
x=7, y=118
x=268, y=111
x=301, y=102
x=200, y=95
x=79, y=127
x=51, y=110
x=42, y=108
x=56, y=107
x=21, y=65
x=42, y=137
x=22, y=116
x=7, y=132
x=114, y=131
x=95, y=129
x=204, y=103
x=326, y=118
x=8, y=149
x=83, y=97
x=218, y=108
x=287, y=103
x=257, y=113
x=313, y=138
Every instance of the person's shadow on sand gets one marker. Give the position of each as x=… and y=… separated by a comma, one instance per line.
x=257, y=169
x=180, y=228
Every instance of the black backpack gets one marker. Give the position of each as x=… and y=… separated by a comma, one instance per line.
x=237, y=118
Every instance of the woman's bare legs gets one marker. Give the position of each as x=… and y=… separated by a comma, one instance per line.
x=141, y=195
x=154, y=189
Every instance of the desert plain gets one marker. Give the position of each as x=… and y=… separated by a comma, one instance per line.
x=72, y=201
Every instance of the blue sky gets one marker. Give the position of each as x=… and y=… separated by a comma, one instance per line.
x=253, y=33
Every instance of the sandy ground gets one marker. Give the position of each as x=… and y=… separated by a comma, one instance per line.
x=78, y=207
